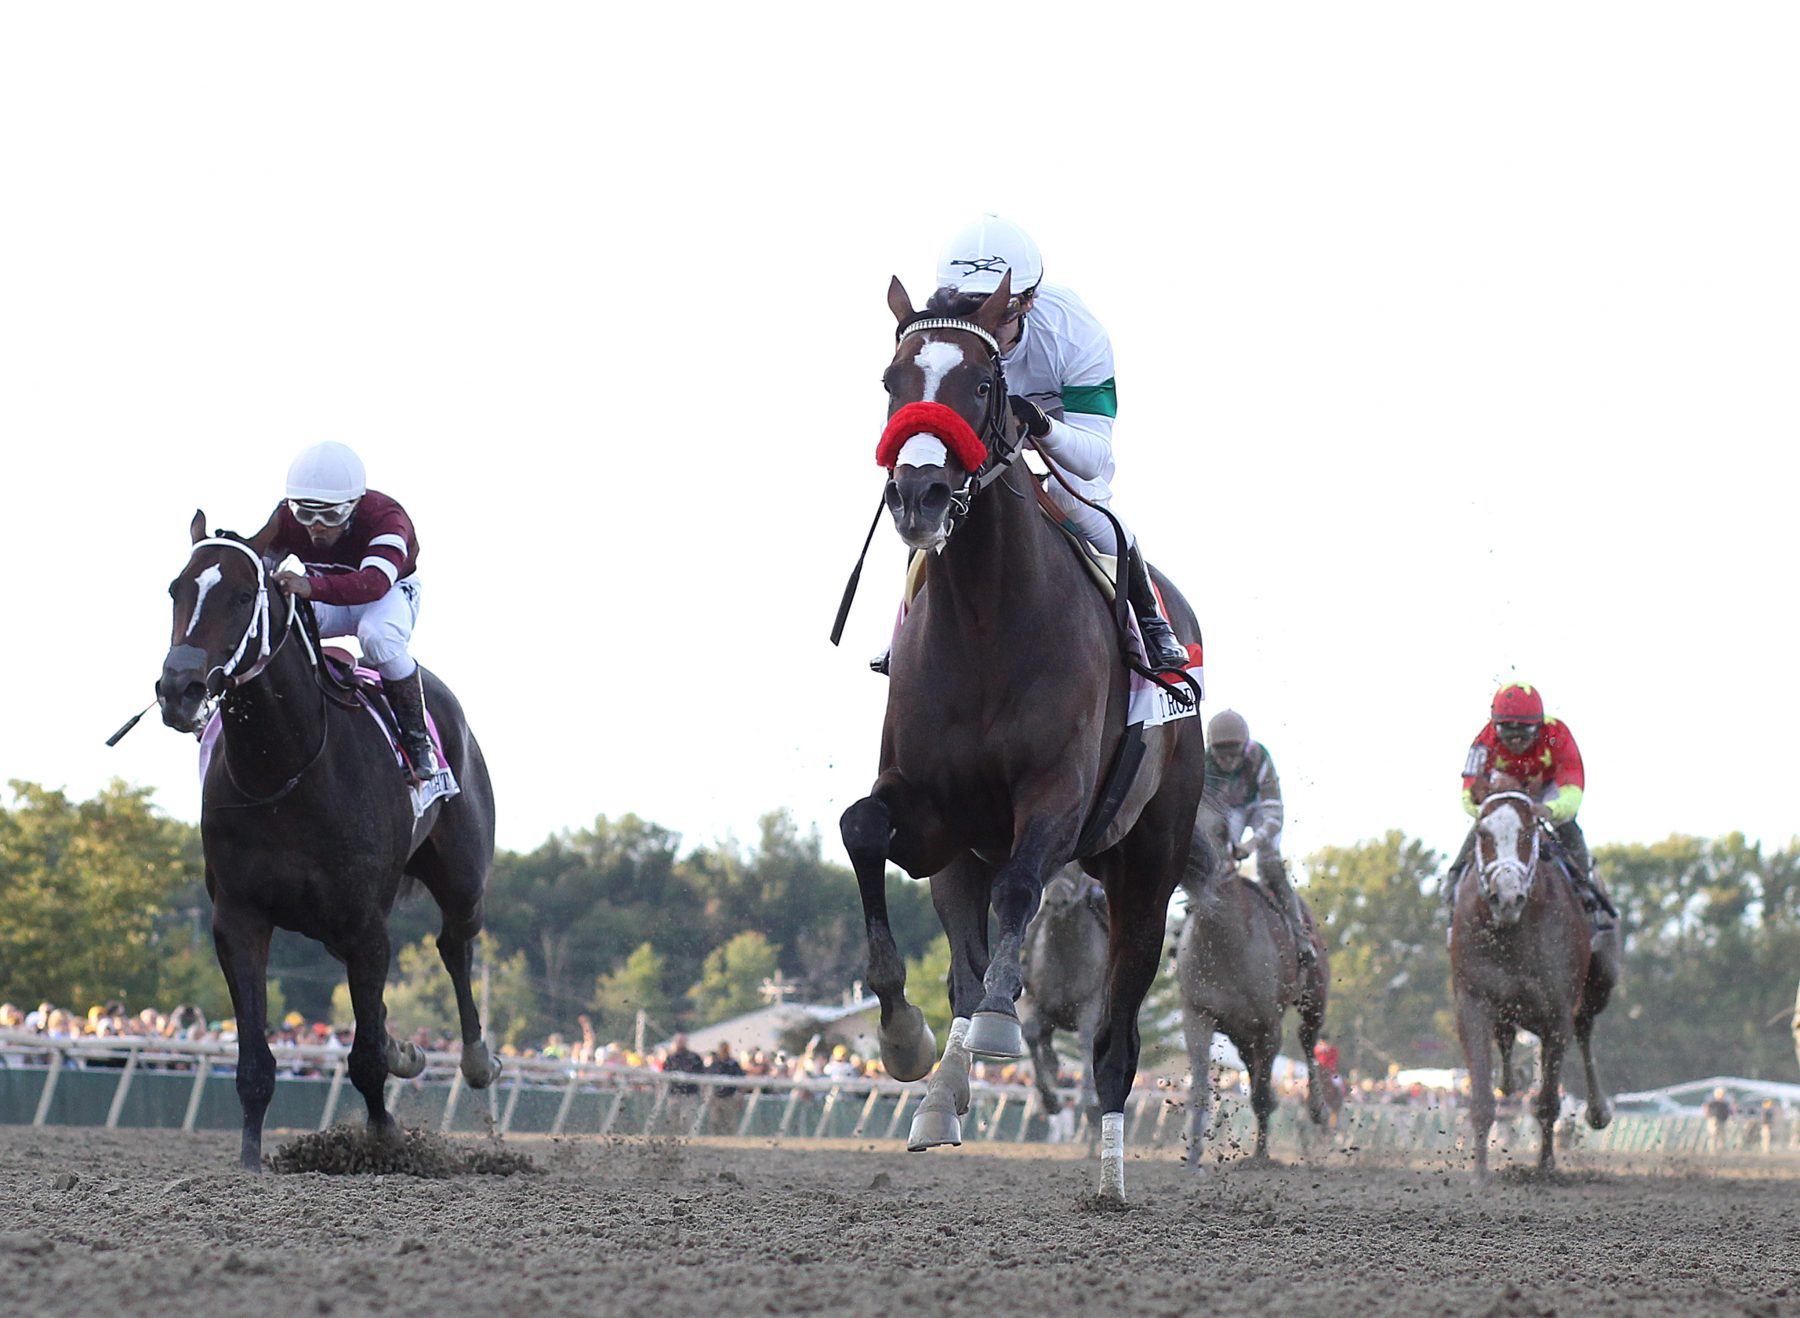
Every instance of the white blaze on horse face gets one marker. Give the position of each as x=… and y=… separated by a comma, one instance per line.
x=205, y=581
x=922, y=451
x=936, y=360
x=1507, y=876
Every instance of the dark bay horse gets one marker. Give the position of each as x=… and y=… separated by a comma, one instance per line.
x=1523, y=956
x=1006, y=704
x=1065, y=979
x=1239, y=974
x=306, y=821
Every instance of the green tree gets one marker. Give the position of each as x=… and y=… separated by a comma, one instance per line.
x=85, y=883
x=1377, y=905
x=641, y=984
x=731, y=977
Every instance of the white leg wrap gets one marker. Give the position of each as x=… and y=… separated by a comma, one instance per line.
x=959, y=1029
x=1112, y=1156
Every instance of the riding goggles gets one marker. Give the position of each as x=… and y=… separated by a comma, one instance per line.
x=309, y=512
x=1516, y=731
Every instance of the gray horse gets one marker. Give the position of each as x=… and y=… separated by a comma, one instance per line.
x=1065, y=979
x=1239, y=974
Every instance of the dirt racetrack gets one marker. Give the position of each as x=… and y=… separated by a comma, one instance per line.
x=154, y=1221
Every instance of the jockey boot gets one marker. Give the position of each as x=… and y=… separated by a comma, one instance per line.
x=1277, y=881
x=879, y=664
x=407, y=697
x=1163, y=651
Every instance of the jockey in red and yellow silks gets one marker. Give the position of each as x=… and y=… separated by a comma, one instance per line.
x=1541, y=753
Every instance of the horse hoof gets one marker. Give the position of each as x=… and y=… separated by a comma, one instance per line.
x=908, y=1047
x=480, y=1066
x=404, y=1060
x=932, y=1129
x=994, y=1038
x=1599, y=1118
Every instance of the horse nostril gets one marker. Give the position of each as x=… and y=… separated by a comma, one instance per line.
x=936, y=499
x=195, y=691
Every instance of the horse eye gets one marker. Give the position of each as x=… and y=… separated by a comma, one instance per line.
x=983, y=389
x=244, y=597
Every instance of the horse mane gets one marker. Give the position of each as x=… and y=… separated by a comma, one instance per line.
x=953, y=304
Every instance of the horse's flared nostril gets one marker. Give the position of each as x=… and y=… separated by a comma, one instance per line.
x=935, y=501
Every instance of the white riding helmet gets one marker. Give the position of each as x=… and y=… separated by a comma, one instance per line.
x=328, y=472
x=1228, y=726
x=984, y=249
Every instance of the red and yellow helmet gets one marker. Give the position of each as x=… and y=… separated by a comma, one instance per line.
x=1518, y=703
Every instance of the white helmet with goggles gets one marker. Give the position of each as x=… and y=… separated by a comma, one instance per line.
x=324, y=483
x=983, y=250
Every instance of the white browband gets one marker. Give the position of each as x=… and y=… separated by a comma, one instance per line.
x=944, y=322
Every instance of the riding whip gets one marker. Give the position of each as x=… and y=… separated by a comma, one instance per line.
x=843, y=613
x=130, y=723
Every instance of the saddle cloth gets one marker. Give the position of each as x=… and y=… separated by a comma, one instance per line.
x=367, y=689
x=1149, y=703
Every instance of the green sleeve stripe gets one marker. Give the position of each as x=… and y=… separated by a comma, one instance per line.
x=1565, y=803
x=1095, y=399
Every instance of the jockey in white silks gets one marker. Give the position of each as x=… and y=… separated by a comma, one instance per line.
x=1059, y=377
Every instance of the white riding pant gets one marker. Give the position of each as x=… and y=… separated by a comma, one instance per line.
x=383, y=627
x=1088, y=522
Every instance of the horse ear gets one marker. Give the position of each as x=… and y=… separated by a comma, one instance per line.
x=261, y=541
x=197, y=527
x=898, y=301
x=991, y=315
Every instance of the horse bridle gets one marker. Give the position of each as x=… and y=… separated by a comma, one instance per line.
x=1530, y=808
x=1002, y=451
x=259, y=627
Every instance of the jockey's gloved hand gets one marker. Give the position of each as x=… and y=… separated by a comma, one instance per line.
x=1029, y=415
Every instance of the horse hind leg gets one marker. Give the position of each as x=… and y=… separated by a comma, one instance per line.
x=1312, y=1023
x=1598, y=1113
x=907, y=1045
x=1262, y=1095
x=242, y=943
x=1505, y=1034
x=461, y=906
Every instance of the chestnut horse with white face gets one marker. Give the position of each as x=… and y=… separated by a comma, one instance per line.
x=1523, y=956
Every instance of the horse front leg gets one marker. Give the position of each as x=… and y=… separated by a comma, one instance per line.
x=994, y=1032
x=1549, y=1095
x=241, y=939
x=1262, y=1094
x=1475, y=1026
x=907, y=1045
x=1197, y=1029
x=960, y=894
x=374, y=1053
x=1040, y=1038
x=455, y=876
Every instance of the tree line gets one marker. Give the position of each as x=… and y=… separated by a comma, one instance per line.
x=105, y=899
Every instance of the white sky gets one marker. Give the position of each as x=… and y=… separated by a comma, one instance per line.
x=1454, y=343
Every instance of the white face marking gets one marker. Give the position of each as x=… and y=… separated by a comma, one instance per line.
x=922, y=451
x=937, y=360
x=1507, y=877
x=205, y=581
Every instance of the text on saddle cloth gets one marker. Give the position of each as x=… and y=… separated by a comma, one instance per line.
x=440, y=786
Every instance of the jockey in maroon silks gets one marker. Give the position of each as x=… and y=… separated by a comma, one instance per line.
x=361, y=554
x=1541, y=753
